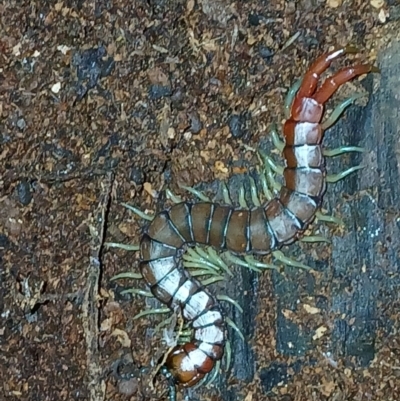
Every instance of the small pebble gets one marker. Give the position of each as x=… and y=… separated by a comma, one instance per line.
x=21, y=124
x=195, y=124
x=4, y=241
x=137, y=176
x=265, y=52
x=159, y=91
x=334, y=3
x=254, y=19
x=128, y=387
x=24, y=192
x=237, y=125
x=56, y=87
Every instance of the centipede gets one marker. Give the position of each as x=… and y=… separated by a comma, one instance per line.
x=257, y=230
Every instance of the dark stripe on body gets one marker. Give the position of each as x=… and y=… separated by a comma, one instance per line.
x=180, y=216
x=218, y=226
x=201, y=215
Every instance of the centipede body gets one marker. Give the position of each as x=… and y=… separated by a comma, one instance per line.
x=259, y=230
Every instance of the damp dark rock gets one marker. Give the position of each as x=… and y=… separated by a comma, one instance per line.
x=23, y=191
x=4, y=241
x=195, y=124
x=177, y=96
x=91, y=65
x=273, y=375
x=4, y=138
x=237, y=124
x=254, y=19
x=112, y=163
x=137, y=176
x=159, y=91
x=265, y=52
x=21, y=124
x=104, y=151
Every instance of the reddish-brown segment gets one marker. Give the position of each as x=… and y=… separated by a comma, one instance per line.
x=257, y=231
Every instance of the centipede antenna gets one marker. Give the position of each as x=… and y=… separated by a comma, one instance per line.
x=171, y=383
x=315, y=238
x=125, y=247
x=138, y=212
x=339, y=109
x=172, y=391
x=329, y=219
x=225, y=193
x=341, y=150
x=170, y=195
x=257, y=264
x=196, y=193
x=210, y=378
x=230, y=300
x=253, y=192
x=156, y=311
x=290, y=262
x=242, y=199
x=138, y=291
x=133, y=275
x=290, y=96
x=236, y=260
x=333, y=178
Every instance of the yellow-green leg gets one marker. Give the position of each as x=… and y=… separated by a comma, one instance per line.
x=278, y=255
x=290, y=96
x=339, y=109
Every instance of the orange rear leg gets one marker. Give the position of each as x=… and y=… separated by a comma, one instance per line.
x=311, y=78
x=332, y=84
x=308, y=104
